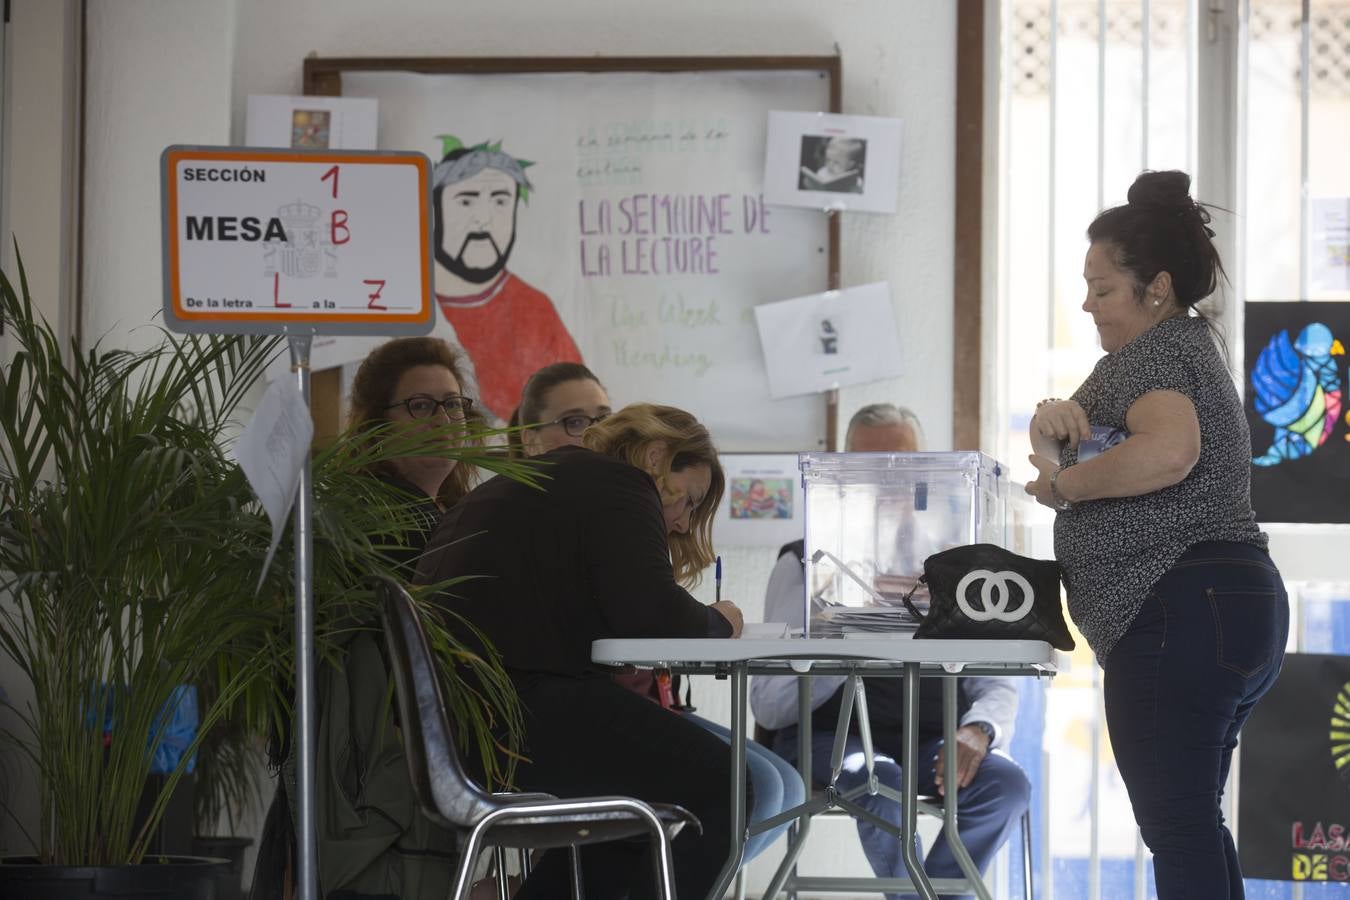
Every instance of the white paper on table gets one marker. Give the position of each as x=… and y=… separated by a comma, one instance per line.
x=824, y=341
x=770, y=630
x=272, y=451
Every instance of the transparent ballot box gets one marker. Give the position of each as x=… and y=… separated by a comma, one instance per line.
x=873, y=518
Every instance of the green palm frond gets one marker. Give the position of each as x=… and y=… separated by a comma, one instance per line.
x=131, y=546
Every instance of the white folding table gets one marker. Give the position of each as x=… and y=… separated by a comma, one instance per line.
x=854, y=656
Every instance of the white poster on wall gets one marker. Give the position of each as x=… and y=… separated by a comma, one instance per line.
x=830, y=340
x=615, y=218
x=310, y=123
x=762, y=503
x=320, y=123
x=1329, y=244
x=830, y=161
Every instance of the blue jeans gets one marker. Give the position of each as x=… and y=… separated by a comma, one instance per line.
x=1207, y=644
x=988, y=808
x=775, y=786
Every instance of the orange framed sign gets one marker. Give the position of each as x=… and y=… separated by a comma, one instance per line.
x=296, y=242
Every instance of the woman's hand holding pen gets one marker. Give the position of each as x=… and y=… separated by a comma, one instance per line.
x=732, y=613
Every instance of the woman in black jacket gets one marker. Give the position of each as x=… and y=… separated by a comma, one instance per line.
x=586, y=558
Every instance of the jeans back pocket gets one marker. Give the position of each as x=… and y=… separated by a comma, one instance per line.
x=1246, y=628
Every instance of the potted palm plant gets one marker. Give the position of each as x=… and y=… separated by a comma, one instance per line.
x=131, y=548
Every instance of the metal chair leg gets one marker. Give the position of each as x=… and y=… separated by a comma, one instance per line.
x=578, y=889
x=1026, y=854
x=499, y=863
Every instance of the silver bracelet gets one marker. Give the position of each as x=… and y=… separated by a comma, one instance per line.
x=1056, y=498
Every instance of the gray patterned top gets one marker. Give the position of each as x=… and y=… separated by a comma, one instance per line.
x=1114, y=550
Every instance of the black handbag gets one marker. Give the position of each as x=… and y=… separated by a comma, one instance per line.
x=982, y=592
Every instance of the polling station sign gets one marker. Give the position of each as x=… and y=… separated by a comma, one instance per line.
x=296, y=242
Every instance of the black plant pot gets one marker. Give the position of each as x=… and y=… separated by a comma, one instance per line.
x=160, y=878
x=231, y=885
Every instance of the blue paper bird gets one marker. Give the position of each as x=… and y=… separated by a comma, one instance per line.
x=1298, y=391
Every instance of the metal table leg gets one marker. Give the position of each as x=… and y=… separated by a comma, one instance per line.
x=910, y=776
x=797, y=835
x=739, y=678
x=949, y=811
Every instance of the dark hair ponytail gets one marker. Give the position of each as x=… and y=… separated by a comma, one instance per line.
x=1161, y=229
x=535, y=392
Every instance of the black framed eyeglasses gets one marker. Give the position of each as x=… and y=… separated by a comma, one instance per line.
x=575, y=423
x=421, y=406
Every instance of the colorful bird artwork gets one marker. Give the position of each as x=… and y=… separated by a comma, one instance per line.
x=1298, y=390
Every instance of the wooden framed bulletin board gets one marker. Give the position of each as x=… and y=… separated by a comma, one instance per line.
x=610, y=210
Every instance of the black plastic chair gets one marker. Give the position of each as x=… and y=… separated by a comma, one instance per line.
x=451, y=799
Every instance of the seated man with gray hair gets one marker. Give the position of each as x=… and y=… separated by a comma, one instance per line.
x=994, y=791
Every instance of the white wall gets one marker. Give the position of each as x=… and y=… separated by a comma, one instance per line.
x=164, y=72
x=37, y=190
x=39, y=177
x=159, y=73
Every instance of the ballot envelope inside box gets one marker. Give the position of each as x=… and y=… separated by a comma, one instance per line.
x=873, y=518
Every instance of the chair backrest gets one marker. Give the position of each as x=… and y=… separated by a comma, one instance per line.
x=447, y=794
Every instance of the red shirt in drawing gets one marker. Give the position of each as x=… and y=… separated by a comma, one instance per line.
x=510, y=331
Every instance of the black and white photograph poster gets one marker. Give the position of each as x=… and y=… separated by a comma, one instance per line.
x=830, y=161
x=824, y=341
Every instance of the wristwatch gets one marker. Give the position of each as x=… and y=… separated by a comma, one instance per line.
x=1056, y=498
x=986, y=728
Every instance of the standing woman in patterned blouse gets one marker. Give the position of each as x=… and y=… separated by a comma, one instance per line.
x=1149, y=468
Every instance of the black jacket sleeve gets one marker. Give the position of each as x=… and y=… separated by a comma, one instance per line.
x=628, y=563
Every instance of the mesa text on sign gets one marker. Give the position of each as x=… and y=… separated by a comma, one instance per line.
x=296, y=242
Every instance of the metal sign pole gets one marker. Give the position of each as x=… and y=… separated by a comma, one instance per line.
x=220, y=277
x=305, y=702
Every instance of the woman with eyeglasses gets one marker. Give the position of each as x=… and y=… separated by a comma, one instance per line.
x=416, y=383
x=370, y=826
x=587, y=557
x=557, y=405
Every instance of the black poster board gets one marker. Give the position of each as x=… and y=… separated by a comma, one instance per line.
x=1295, y=399
x=1294, y=779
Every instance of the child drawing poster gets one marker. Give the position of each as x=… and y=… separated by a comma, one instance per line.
x=1295, y=368
x=762, y=503
x=830, y=161
x=616, y=218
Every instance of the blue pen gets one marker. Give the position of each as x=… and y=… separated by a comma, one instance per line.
x=717, y=577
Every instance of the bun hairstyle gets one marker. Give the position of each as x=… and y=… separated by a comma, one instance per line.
x=1161, y=229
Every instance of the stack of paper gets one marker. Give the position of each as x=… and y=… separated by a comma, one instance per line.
x=871, y=619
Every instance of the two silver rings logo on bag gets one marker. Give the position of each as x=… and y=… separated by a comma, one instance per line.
x=996, y=594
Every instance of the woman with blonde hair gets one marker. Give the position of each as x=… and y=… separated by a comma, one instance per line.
x=587, y=557
x=775, y=784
